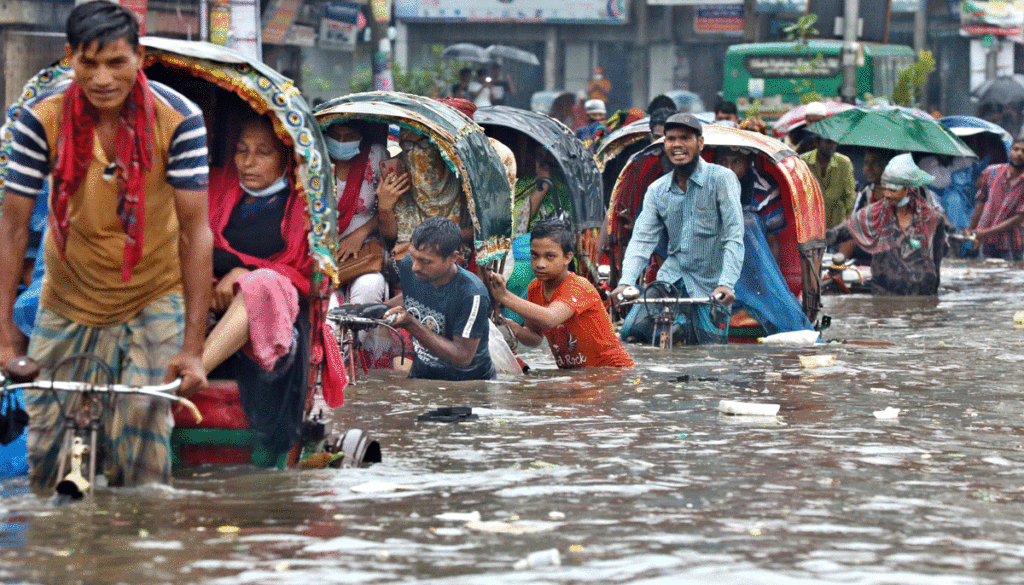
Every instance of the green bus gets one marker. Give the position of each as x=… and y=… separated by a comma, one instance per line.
x=777, y=74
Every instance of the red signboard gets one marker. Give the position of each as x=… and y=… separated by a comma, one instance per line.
x=139, y=8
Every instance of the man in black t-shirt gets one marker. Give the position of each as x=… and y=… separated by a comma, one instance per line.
x=443, y=306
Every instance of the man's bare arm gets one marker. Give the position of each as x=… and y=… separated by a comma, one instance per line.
x=14, y=222
x=195, y=249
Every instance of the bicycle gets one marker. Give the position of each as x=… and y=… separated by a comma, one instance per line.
x=82, y=423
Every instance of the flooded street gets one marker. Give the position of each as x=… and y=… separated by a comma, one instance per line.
x=633, y=476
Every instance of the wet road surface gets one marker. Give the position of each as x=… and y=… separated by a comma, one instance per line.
x=633, y=476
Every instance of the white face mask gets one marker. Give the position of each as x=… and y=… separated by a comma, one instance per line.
x=903, y=202
x=271, y=189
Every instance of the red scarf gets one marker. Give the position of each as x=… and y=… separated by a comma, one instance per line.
x=353, y=184
x=294, y=261
x=134, y=157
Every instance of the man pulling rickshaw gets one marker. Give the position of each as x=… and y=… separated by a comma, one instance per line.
x=128, y=250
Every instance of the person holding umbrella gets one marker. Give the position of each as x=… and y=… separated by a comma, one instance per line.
x=903, y=234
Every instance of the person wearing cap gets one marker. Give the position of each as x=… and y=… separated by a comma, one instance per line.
x=696, y=208
x=999, y=212
x=904, y=235
x=799, y=138
x=834, y=172
x=596, y=115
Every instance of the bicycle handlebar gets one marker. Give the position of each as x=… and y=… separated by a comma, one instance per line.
x=156, y=391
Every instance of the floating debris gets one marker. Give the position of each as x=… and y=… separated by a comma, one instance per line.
x=380, y=486
x=747, y=408
x=888, y=413
x=817, y=361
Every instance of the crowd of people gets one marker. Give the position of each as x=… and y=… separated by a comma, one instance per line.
x=166, y=267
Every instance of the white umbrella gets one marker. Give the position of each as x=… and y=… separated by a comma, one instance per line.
x=465, y=52
x=513, y=53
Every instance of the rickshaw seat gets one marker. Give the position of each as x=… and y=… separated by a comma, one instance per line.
x=225, y=437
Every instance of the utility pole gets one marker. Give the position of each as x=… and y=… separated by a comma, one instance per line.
x=851, y=16
x=383, y=80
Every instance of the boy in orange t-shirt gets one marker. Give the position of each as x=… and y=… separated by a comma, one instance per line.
x=564, y=307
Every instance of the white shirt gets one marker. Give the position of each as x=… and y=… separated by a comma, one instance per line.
x=484, y=97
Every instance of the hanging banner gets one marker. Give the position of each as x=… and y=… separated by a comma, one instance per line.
x=719, y=19
x=991, y=18
x=340, y=26
x=576, y=11
x=139, y=8
x=278, y=19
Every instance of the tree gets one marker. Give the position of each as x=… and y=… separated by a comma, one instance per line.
x=431, y=82
x=801, y=29
x=910, y=82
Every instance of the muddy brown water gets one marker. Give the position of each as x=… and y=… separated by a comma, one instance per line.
x=633, y=476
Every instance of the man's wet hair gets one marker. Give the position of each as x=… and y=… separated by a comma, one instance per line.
x=726, y=108
x=103, y=22
x=557, y=230
x=439, y=234
x=659, y=116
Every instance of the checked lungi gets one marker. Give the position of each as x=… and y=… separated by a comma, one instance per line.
x=135, y=433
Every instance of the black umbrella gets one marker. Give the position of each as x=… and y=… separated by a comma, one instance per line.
x=1005, y=90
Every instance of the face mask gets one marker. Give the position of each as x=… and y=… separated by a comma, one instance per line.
x=903, y=202
x=341, y=150
x=273, y=188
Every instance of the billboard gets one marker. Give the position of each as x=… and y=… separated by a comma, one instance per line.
x=575, y=11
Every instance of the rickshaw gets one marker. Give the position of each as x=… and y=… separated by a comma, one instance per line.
x=616, y=149
x=227, y=85
x=466, y=151
x=523, y=132
x=802, y=242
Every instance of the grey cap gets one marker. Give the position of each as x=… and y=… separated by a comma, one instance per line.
x=685, y=120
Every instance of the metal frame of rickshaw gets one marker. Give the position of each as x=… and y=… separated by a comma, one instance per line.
x=466, y=151
x=801, y=196
x=582, y=175
x=268, y=93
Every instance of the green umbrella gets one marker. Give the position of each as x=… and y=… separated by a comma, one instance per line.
x=891, y=128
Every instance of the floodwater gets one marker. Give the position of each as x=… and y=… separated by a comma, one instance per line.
x=633, y=476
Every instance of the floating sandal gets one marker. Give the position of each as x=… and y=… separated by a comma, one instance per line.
x=449, y=414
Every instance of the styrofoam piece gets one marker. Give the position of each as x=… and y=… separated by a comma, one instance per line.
x=747, y=408
x=817, y=361
x=889, y=412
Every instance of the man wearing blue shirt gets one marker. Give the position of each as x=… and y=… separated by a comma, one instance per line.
x=697, y=207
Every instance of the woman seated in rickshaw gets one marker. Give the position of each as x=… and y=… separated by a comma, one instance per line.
x=761, y=289
x=536, y=198
x=261, y=266
x=356, y=149
x=426, y=188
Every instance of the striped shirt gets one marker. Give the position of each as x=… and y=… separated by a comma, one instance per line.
x=85, y=285
x=704, y=226
x=1002, y=199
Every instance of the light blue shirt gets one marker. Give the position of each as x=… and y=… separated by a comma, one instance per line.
x=704, y=227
